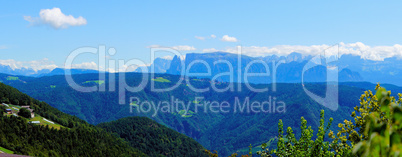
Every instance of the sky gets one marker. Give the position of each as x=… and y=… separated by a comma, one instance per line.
x=46, y=32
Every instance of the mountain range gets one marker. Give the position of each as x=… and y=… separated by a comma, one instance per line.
x=289, y=69
x=6, y=69
x=350, y=67
x=282, y=69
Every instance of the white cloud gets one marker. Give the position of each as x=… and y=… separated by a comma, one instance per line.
x=228, y=38
x=127, y=68
x=210, y=50
x=200, y=38
x=154, y=46
x=184, y=48
x=35, y=64
x=179, y=47
x=212, y=36
x=55, y=18
x=358, y=48
x=85, y=65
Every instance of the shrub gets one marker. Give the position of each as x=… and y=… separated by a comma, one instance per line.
x=24, y=113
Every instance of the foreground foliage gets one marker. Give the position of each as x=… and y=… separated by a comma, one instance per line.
x=289, y=146
x=382, y=127
x=376, y=130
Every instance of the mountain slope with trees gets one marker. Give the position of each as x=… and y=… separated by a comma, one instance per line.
x=152, y=138
x=78, y=138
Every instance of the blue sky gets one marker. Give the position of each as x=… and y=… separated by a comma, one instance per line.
x=131, y=27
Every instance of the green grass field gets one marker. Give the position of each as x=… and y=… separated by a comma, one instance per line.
x=12, y=78
x=134, y=104
x=183, y=113
x=160, y=79
x=6, y=150
x=100, y=82
x=12, y=107
x=36, y=118
x=43, y=122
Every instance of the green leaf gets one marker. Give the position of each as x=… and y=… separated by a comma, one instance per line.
x=396, y=138
x=380, y=93
x=384, y=108
x=264, y=145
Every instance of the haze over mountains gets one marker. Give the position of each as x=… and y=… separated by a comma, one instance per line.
x=289, y=68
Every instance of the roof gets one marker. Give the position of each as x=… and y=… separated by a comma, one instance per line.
x=4, y=104
x=11, y=155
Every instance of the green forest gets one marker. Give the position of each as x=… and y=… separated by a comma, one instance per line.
x=152, y=138
x=78, y=138
x=227, y=133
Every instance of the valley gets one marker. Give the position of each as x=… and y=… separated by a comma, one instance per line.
x=226, y=132
x=201, y=78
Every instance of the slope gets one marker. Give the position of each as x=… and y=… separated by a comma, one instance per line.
x=76, y=138
x=152, y=138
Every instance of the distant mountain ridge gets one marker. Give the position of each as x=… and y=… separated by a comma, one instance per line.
x=61, y=71
x=160, y=65
x=351, y=68
x=387, y=71
x=6, y=69
x=288, y=69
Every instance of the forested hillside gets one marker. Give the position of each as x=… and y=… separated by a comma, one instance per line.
x=78, y=138
x=226, y=132
x=14, y=96
x=152, y=138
